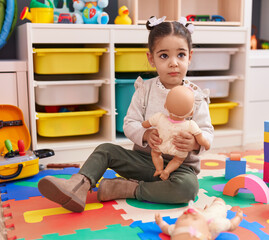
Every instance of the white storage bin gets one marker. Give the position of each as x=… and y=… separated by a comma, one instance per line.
x=207, y=59
x=218, y=85
x=53, y=93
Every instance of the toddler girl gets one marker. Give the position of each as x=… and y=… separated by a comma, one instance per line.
x=170, y=51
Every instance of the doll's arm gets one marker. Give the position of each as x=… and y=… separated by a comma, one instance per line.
x=146, y=124
x=202, y=141
x=165, y=227
x=236, y=220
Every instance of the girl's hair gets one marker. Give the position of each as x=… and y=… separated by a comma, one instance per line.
x=167, y=28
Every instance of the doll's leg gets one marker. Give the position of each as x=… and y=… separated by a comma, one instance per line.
x=157, y=160
x=171, y=167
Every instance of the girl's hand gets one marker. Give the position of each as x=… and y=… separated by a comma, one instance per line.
x=151, y=136
x=185, y=142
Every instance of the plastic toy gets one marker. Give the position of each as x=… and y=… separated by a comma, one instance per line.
x=8, y=19
x=65, y=18
x=180, y=105
x=40, y=13
x=202, y=18
x=217, y=18
x=256, y=185
x=205, y=223
x=234, y=166
x=191, y=17
x=92, y=11
x=123, y=17
x=266, y=152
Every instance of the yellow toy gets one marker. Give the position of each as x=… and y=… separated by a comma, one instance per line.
x=123, y=17
x=180, y=105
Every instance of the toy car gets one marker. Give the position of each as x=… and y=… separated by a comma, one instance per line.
x=217, y=18
x=65, y=18
x=202, y=18
x=191, y=18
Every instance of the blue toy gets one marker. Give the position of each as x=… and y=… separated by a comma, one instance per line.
x=91, y=11
x=234, y=168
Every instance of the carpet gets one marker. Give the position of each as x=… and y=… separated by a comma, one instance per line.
x=27, y=215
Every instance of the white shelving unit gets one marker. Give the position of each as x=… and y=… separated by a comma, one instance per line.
x=77, y=148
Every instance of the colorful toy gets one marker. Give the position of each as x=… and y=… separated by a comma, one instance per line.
x=180, y=105
x=256, y=185
x=8, y=19
x=92, y=11
x=217, y=18
x=40, y=12
x=65, y=18
x=235, y=165
x=266, y=152
x=123, y=17
x=205, y=223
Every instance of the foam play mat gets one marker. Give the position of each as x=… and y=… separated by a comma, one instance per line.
x=28, y=215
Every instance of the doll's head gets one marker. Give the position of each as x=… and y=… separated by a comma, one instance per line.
x=180, y=102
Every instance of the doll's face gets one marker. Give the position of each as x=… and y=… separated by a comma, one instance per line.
x=171, y=57
x=192, y=217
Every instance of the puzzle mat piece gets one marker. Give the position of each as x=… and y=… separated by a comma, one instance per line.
x=145, y=211
x=258, y=212
x=112, y=232
x=25, y=188
x=66, y=223
x=242, y=199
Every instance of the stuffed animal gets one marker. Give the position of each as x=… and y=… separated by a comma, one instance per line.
x=91, y=11
x=123, y=17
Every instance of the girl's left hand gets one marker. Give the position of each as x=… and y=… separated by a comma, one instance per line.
x=185, y=142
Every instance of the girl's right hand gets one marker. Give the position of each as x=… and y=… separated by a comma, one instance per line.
x=151, y=136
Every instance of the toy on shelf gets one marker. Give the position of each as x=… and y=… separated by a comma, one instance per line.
x=251, y=182
x=204, y=223
x=234, y=166
x=65, y=18
x=205, y=18
x=39, y=12
x=266, y=152
x=123, y=17
x=8, y=19
x=179, y=104
x=91, y=11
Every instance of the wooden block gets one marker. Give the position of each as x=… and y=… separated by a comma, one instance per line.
x=266, y=151
x=266, y=172
x=266, y=137
x=266, y=126
x=232, y=186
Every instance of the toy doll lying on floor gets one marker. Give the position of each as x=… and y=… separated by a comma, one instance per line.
x=204, y=224
x=180, y=105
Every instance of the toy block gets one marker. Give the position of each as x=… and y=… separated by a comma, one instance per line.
x=266, y=151
x=235, y=156
x=266, y=172
x=266, y=126
x=266, y=137
x=253, y=183
x=234, y=168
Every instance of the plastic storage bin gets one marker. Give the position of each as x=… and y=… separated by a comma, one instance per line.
x=206, y=59
x=219, y=111
x=132, y=60
x=218, y=85
x=51, y=93
x=124, y=92
x=67, y=60
x=69, y=123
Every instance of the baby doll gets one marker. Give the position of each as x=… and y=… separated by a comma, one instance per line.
x=201, y=224
x=180, y=105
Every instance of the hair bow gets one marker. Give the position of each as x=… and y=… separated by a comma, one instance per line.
x=183, y=21
x=153, y=21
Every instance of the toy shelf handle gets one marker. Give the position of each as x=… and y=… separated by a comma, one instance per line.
x=16, y=174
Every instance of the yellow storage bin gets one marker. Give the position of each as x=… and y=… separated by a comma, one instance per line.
x=69, y=123
x=219, y=111
x=132, y=60
x=67, y=60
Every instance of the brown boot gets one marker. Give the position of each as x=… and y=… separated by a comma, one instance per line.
x=71, y=193
x=116, y=188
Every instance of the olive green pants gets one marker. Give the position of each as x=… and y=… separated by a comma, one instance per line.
x=181, y=186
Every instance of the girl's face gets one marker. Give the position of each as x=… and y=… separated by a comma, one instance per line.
x=171, y=57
